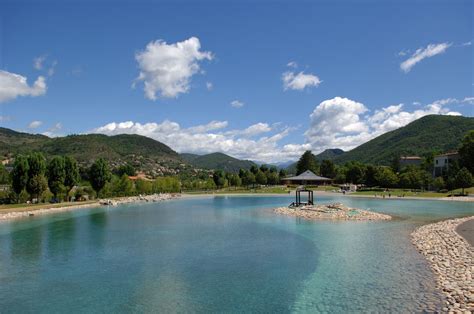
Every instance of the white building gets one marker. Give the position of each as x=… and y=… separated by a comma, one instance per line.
x=443, y=161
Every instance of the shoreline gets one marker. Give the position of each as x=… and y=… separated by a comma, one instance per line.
x=451, y=258
x=25, y=212
x=335, y=211
x=326, y=193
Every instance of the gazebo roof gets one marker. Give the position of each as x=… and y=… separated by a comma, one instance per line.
x=307, y=176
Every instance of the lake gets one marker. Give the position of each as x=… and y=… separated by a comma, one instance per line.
x=219, y=254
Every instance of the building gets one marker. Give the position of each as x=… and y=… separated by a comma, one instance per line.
x=443, y=161
x=409, y=161
x=307, y=178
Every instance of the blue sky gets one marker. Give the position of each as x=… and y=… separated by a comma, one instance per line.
x=301, y=75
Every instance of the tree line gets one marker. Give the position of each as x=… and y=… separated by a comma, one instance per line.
x=458, y=175
x=35, y=178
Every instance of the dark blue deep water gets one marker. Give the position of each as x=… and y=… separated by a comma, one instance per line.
x=218, y=254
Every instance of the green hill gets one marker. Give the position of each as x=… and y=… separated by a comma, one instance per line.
x=217, y=161
x=430, y=133
x=144, y=153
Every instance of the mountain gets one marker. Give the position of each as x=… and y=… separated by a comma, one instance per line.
x=330, y=154
x=217, y=161
x=142, y=152
x=438, y=133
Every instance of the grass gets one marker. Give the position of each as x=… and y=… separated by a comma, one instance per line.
x=400, y=192
x=241, y=190
x=26, y=207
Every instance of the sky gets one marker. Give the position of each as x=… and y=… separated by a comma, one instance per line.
x=260, y=80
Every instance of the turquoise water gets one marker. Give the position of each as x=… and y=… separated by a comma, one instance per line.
x=218, y=254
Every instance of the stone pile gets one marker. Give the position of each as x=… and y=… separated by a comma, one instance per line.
x=139, y=198
x=452, y=260
x=336, y=211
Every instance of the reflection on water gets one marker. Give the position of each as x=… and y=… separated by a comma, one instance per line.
x=61, y=238
x=26, y=244
x=218, y=254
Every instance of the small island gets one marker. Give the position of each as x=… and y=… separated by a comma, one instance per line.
x=335, y=211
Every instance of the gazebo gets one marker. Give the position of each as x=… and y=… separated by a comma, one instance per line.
x=306, y=178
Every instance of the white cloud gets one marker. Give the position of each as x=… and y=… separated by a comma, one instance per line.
x=52, y=68
x=166, y=69
x=422, y=53
x=38, y=62
x=209, y=86
x=236, y=104
x=14, y=85
x=210, y=137
x=468, y=43
x=468, y=100
x=54, y=130
x=34, y=124
x=292, y=64
x=299, y=81
x=344, y=123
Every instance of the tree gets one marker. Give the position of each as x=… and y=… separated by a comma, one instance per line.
x=143, y=186
x=254, y=169
x=307, y=161
x=438, y=184
x=99, y=175
x=235, y=180
x=19, y=174
x=56, y=175
x=4, y=175
x=385, y=177
x=282, y=174
x=355, y=172
x=272, y=178
x=463, y=179
x=37, y=183
x=219, y=178
x=370, y=174
x=466, y=151
x=328, y=169
x=124, y=186
x=263, y=168
x=71, y=174
x=125, y=169
x=261, y=178
x=248, y=179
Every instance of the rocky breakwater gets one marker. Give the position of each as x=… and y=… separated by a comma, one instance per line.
x=139, y=198
x=452, y=260
x=336, y=211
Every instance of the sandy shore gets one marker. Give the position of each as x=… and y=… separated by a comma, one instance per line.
x=452, y=260
x=336, y=211
x=23, y=212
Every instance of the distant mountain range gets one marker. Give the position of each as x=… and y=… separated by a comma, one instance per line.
x=142, y=152
x=430, y=133
x=438, y=133
x=217, y=161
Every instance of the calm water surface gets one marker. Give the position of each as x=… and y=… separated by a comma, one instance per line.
x=218, y=254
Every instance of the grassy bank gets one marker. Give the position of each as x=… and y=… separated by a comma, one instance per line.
x=4, y=209
x=408, y=193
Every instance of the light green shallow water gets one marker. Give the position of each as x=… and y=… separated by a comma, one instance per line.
x=219, y=254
